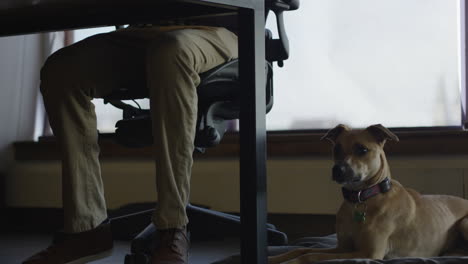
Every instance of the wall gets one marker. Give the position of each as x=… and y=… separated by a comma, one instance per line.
x=300, y=185
x=21, y=111
x=18, y=58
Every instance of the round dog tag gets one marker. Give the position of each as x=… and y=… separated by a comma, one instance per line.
x=359, y=217
x=360, y=212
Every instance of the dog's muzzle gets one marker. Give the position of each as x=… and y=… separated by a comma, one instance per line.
x=342, y=173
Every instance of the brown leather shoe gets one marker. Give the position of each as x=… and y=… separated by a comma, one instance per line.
x=76, y=248
x=172, y=247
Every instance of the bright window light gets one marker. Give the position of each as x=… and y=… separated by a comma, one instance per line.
x=360, y=62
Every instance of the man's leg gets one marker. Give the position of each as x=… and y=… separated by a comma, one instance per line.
x=69, y=80
x=174, y=62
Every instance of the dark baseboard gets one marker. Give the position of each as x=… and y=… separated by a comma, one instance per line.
x=31, y=219
x=49, y=220
x=303, y=225
x=2, y=191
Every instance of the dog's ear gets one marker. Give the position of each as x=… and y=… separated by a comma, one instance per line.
x=333, y=133
x=381, y=133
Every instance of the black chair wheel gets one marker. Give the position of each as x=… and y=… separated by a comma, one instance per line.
x=207, y=137
x=211, y=134
x=137, y=258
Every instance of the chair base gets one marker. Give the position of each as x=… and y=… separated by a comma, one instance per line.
x=137, y=258
x=205, y=224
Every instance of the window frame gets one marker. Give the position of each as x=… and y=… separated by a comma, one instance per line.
x=463, y=8
x=303, y=144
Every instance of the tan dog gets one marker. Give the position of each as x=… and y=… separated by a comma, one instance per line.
x=379, y=218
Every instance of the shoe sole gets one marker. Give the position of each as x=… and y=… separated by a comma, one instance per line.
x=87, y=259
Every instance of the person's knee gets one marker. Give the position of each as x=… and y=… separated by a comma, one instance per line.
x=171, y=46
x=56, y=71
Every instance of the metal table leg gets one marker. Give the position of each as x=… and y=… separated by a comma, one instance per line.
x=253, y=135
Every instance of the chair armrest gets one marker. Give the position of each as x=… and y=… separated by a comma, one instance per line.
x=278, y=49
x=282, y=4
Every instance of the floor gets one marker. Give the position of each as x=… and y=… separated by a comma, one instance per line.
x=15, y=247
x=20, y=237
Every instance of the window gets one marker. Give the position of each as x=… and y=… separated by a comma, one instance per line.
x=360, y=62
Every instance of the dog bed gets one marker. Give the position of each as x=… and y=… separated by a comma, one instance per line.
x=330, y=241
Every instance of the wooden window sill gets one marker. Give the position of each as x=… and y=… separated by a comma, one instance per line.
x=279, y=144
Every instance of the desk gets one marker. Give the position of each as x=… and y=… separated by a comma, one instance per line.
x=32, y=16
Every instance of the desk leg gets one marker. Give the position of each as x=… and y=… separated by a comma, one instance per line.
x=253, y=206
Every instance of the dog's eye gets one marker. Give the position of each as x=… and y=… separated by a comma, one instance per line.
x=360, y=150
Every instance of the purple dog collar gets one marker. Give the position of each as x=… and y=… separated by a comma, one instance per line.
x=362, y=195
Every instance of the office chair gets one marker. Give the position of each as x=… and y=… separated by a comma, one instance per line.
x=218, y=102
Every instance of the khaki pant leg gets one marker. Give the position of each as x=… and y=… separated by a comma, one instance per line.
x=70, y=78
x=174, y=62
x=92, y=68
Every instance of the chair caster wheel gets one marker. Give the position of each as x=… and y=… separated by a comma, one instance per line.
x=137, y=258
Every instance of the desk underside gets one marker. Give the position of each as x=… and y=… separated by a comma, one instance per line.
x=32, y=16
